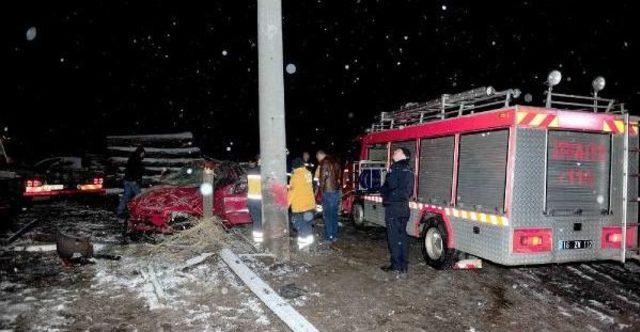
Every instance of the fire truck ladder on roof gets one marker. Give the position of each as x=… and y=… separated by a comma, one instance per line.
x=446, y=106
x=634, y=252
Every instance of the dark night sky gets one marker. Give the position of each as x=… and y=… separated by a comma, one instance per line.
x=99, y=67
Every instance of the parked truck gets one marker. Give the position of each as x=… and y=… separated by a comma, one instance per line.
x=516, y=185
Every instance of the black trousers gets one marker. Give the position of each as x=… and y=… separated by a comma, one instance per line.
x=398, y=241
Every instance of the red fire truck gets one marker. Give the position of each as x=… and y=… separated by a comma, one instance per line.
x=516, y=185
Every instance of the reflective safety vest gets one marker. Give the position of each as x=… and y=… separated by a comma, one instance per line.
x=254, y=182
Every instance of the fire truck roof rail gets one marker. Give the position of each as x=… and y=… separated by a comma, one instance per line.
x=584, y=103
x=446, y=106
x=581, y=103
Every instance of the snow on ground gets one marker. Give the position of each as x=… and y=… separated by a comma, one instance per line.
x=146, y=289
x=337, y=290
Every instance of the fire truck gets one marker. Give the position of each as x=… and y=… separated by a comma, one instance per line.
x=512, y=184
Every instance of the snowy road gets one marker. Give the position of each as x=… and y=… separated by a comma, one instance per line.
x=343, y=289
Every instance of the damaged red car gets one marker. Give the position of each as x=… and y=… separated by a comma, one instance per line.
x=161, y=208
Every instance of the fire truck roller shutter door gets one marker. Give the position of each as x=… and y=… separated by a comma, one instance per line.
x=482, y=171
x=436, y=170
x=578, y=173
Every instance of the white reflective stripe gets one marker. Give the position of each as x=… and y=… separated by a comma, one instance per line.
x=253, y=176
x=257, y=236
x=304, y=241
x=473, y=216
x=254, y=196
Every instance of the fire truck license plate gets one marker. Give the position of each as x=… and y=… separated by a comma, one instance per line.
x=576, y=244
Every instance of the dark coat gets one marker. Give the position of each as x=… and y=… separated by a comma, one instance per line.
x=134, y=170
x=397, y=189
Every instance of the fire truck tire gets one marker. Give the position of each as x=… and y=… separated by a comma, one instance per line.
x=434, y=245
x=357, y=215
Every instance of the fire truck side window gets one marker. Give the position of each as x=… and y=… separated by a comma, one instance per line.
x=436, y=170
x=578, y=173
x=378, y=152
x=482, y=171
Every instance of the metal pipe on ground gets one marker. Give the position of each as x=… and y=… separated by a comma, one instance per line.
x=294, y=320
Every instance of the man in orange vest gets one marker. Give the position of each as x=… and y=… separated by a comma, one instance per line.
x=302, y=202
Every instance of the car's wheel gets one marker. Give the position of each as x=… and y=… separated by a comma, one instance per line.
x=434, y=245
x=357, y=215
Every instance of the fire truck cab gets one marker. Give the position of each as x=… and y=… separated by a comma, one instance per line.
x=516, y=185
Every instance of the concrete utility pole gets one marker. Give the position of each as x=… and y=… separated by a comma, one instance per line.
x=272, y=128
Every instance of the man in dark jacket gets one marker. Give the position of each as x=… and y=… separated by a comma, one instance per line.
x=329, y=193
x=132, y=179
x=396, y=191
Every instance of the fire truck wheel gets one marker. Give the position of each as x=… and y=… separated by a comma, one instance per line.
x=357, y=215
x=434, y=245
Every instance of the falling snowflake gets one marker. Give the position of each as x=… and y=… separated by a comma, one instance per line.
x=444, y=7
x=346, y=67
x=528, y=98
x=31, y=33
x=291, y=68
x=224, y=52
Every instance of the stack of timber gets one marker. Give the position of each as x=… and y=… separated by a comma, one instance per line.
x=164, y=154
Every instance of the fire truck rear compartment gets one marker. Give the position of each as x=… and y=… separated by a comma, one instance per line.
x=576, y=226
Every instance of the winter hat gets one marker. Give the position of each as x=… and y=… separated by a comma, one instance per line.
x=297, y=163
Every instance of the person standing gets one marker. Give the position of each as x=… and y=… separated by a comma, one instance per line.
x=132, y=180
x=302, y=202
x=306, y=158
x=329, y=194
x=396, y=192
x=254, y=199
